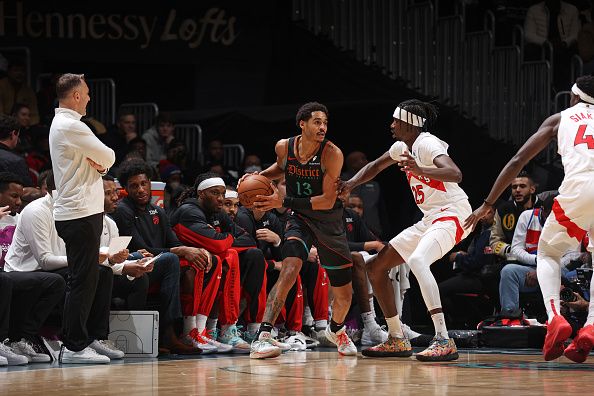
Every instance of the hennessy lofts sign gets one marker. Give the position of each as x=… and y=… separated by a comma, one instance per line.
x=119, y=29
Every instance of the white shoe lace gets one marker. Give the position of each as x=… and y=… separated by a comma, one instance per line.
x=108, y=344
x=27, y=348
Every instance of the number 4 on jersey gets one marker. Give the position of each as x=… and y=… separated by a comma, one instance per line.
x=581, y=137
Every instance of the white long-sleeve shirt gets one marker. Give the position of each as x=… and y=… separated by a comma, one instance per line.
x=79, y=185
x=36, y=244
x=525, y=241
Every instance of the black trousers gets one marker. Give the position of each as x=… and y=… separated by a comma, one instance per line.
x=82, y=239
x=252, y=269
x=133, y=292
x=26, y=300
x=166, y=272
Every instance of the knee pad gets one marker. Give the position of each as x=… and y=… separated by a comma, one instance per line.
x=340, y=276
x=295, y=248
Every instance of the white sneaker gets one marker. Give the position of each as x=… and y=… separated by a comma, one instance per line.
x=3, y=361
x=231, y=336
x=25, y=348
x=297, y=341
x=375, y=335
x=342, y=341
x=408, y=332
x=320, y=337
x=86, y=356
x=107, y=348
x=196, y=340
x=264, y=348
x=12, y=358
x=310, y=342
x=211, y=338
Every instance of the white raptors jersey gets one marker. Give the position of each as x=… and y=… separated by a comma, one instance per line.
x=575, y=140
x=430, y=195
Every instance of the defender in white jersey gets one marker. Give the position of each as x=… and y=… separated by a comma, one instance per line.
x=433, y=178
x=573, y=211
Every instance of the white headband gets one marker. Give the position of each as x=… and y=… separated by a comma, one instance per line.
x=583, y=96
x=212, y=182
x=230, y=194
x=408, y=117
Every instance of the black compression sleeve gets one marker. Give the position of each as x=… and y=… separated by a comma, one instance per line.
x=297, y=203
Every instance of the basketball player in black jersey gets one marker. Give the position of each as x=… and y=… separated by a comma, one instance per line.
x=311, y=166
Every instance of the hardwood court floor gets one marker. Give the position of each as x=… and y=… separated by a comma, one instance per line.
x=309, y=373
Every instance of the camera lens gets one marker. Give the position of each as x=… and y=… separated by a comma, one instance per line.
x=567, y=295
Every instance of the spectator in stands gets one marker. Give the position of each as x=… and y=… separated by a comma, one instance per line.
x=38, y=158
x=22, y=114
x=172, y=176
x=252, y=163
x=370, y=192
x=159, y=137
x=177, y=154
x=215, y=162
x=46, y=99
x=9, y=160
x=138, y=145
x=37, y=247
x=585, y=40
x=149, y=227
x=200, y=221
x=523, y=197
x=11, y=191
x=520, y=276
x=118, y=136
x=14, y=89
x=557, y=22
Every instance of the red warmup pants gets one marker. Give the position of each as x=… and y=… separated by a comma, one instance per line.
x=316, y=284
x=229, y=293
x=205, y=289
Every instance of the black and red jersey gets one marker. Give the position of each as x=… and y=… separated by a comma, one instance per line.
x=246, y=220
x=357, y=232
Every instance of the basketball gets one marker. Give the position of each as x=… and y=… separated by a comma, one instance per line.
x=252, y=186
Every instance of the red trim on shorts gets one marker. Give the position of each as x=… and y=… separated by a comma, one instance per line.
x=459, y=229
x=573, y=230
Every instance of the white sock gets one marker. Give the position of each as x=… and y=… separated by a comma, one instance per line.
x=211, y=324
x=394, y=327
x=201, y=322
x=320, y=324
x=372, y=306
x=548, y=272
x=189, y=324
x=439, y=324
x=307, y=317
x=590, y=319
x=253, y=327
x=369, y=320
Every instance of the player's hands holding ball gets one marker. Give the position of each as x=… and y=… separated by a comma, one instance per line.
x=267, y=202
x=256, y=191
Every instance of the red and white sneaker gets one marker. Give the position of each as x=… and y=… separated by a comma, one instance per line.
x=195, y=339
x=581, y=346
x=210, y=336
x=558, y=330
x=342, y=341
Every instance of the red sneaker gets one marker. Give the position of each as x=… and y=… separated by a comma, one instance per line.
x=579, y=349
x=558, y=330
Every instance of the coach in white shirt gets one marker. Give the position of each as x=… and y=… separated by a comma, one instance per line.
x=79, y=160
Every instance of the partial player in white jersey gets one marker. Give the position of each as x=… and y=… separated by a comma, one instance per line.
x=433, y=178
x=573, y=211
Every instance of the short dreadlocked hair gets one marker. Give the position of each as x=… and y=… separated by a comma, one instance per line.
x=422, y=110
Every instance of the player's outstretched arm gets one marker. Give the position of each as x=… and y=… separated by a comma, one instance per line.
x=534, y=145
x=368, y=172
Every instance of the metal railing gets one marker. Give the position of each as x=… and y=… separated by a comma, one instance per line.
x=145, y=114
x=233, y=155
x=191, y=135
x=103, y=100
x=410, y=41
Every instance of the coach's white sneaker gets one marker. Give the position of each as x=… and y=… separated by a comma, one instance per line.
x=342, y=341
x=12, y=358
x=374, y=335
x=25, y=348
x=86, y=356
x=107, y=348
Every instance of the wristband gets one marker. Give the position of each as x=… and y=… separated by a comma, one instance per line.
x=297, y=203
